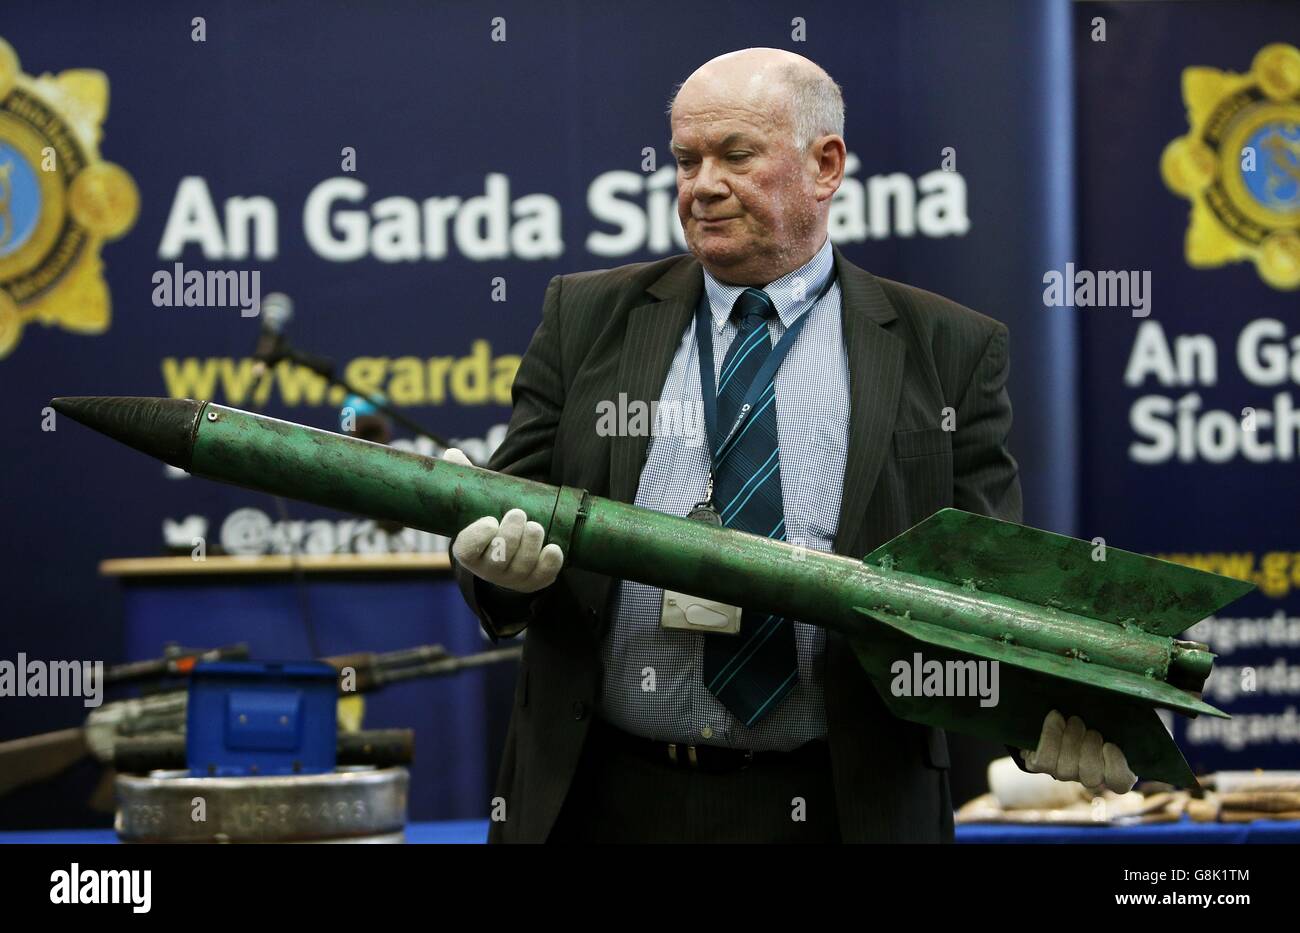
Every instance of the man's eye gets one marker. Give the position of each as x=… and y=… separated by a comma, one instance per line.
x=737, y=156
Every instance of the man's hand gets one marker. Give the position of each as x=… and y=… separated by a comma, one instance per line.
x=1070, y=751
x=508, y=553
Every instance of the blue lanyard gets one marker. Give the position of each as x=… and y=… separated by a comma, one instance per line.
x=708, y=387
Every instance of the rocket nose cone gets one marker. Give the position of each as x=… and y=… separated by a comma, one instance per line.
x=160, y=427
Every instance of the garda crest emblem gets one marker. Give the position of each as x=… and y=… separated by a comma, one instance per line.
x=59, y=201
x=1239, y=165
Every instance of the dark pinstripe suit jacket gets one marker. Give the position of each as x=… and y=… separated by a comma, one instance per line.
x=911, y=354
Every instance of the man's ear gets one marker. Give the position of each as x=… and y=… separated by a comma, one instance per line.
x=829, y=155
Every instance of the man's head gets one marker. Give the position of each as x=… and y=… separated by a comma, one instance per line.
x=758, y=138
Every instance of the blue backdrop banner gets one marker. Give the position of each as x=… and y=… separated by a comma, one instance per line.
x=1189, y=155
x=412, y=175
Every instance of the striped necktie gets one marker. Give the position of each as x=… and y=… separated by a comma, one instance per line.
x=750, y=672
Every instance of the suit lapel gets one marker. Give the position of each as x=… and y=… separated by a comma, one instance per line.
x=876, y=359
x=654, y=332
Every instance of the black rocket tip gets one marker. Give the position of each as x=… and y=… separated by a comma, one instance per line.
x=160, y=427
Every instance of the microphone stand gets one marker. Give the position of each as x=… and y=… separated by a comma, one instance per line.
x=323, y=366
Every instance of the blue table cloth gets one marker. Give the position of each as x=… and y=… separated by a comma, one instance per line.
x=475, y=831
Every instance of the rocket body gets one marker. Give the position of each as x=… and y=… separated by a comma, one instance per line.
x=1075, y=630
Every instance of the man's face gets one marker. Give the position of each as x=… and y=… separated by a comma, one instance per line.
x=745, y=196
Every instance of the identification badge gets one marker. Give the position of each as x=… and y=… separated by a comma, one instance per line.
x=685, y=612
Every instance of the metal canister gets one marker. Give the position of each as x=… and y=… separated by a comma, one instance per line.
x=352, y=804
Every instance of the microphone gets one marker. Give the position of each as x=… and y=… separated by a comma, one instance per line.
x=273, y=345
x=277, y=311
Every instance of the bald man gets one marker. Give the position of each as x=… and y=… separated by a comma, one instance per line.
x=822, y=390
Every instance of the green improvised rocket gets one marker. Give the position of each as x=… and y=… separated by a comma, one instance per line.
x=1073, y=626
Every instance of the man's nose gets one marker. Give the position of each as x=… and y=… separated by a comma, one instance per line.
x=710, y=181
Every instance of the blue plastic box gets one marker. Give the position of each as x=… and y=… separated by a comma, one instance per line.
x=261, y=718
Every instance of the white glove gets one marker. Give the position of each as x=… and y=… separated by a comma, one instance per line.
x=508, y=553
x=1070, y=751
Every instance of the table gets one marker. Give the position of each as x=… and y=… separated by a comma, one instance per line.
x=475, y=831
x=1184, y=831
x=355, y=602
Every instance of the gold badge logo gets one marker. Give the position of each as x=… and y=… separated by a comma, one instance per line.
x=1239, y=165
x=59, y=201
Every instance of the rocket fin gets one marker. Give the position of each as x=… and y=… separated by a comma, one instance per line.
x=1148, y=690
x=1053, y=570
x=1029, y=684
